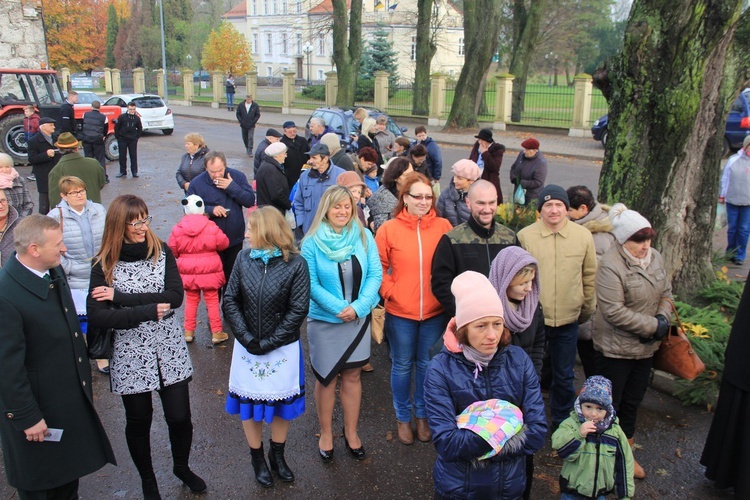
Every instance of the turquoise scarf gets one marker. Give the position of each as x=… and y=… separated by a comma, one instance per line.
x=264, y=254
x=335, y=246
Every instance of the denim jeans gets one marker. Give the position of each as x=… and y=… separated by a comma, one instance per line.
x=562, y=346
x=573, y=496
x=410, y=342
x=230, y=100
x=738, y=230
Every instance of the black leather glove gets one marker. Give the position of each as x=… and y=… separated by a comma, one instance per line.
x=253, y=347
x=662, y=328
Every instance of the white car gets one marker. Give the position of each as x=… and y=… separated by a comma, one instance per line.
x=85, y=98
x=155, y=115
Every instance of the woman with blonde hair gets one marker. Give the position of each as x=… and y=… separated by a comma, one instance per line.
x=135, y=285
x=191, y=164
x=367, y=138
x=345, y=276
x=266, y=301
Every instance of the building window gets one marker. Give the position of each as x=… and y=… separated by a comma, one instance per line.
x=283, y=7
x=321, y=45
x=269, y=43
x=269, y=71
x=299, y=7
x=275, y=7
x=255, y=43
x=298, y=43
x=413, y=48
x=265, y=7
x=321, y=75
x=254, y=8
x=284, y=43
x=460, y=46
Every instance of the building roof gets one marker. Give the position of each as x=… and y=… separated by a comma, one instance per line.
x=326, y=7
x=238, y=11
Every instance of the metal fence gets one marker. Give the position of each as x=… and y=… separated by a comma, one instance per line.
x=126, y=81
x=400, y=96
x=599, y=106
x=547, y=106
x=311, y=95
x=486, y=108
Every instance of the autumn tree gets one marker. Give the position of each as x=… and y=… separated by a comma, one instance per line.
x=113, y=26
x=76, y=33
x=668, y=93
x=227, y=50
x=527, y=15
x=347, y=48
x=128, y=45
x=481, y=28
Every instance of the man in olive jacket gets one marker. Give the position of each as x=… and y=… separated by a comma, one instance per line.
x=45, y=389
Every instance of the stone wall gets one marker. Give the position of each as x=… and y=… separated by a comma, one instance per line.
x=22, y=44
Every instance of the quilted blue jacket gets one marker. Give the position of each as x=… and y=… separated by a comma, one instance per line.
x=326, y=291
x=449, y=388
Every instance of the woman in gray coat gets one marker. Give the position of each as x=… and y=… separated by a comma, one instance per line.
x=633, y=296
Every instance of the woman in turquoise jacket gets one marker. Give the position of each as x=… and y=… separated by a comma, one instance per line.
x=345, y=276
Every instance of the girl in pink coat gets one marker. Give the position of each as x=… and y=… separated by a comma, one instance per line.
x=195, y=241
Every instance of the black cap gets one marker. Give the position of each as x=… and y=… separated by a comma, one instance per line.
x=552, y=192
x=46, y=119
x=272, y=132
x=319, y=149
x=485, y=134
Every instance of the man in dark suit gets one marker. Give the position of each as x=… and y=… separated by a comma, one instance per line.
x=43, y=156
x=67, y=114
x=248, y=114
x=50, y=433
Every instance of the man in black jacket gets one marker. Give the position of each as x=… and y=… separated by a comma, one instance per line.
x=296, y=153
x=470, y=246
x=272, y=136
x=93, y=134
x=67, y=114
x=43, y=156
x=248, y=114
x=128, y=129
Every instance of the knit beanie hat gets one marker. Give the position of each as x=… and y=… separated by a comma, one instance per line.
x=552, y=192
x=597, y=390
x=475, y=298
x=506, y=264
x=332, y=141
x=193, y=205
x=466, y=169
x=625, y=222
x=498, y=422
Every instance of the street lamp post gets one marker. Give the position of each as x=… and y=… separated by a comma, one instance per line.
x=163, y=53
x=308, y=49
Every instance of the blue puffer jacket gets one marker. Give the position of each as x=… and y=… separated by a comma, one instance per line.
x=326, y=292
x=450, y=387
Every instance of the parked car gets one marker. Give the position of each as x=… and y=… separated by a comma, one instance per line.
x=155, y=115
x=342, y=121
x=736, y=128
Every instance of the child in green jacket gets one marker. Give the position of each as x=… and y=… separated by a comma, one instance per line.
x=598, y=459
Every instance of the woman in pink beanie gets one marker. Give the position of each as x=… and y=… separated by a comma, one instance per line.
x=477, y=363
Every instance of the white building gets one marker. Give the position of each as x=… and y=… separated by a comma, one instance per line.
x=297, y=34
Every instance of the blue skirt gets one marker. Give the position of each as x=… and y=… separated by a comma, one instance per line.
x=259, y=410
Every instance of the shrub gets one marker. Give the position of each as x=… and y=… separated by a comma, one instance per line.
x=515, y=217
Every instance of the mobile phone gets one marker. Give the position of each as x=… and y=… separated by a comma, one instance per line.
x=169, y=314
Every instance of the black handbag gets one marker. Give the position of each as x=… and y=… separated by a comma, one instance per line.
x=99, y=342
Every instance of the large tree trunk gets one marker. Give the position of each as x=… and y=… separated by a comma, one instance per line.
x=525, y=32
x=426, y=49
x=481, y=28
x=346, y=54
x=669, y=89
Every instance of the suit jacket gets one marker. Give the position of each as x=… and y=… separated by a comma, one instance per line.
x=41, y=164
x=46, y=375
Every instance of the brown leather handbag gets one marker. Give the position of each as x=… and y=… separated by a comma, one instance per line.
x=676, y=355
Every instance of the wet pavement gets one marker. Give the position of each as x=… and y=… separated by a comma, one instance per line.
x=670, y=435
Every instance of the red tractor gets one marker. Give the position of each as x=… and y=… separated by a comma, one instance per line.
x=40, y=88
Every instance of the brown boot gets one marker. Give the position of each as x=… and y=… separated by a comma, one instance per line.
x=638, y=471
x=189, y=336
x=405, y=434
x=423, y=430
x=218, y=337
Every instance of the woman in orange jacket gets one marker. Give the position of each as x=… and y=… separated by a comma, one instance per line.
x=414, y=318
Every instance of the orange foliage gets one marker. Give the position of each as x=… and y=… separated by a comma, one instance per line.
x=76, y=33
x=227, y=50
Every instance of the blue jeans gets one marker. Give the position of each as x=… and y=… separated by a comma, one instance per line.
x=230, y=100
x=573, y=496
x=738, y=230
x=410, y=342
x=562, y=345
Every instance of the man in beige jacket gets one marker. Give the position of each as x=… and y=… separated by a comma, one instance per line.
x=567, y=268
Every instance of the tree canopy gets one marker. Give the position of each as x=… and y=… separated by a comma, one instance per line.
x=227, y=50
x=76, y=33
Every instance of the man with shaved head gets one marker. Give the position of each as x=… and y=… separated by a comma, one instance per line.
x=470, y=246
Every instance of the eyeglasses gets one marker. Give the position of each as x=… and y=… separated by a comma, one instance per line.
x=3, y=201
x=421, y=197
x=140, y=223
x=76, y=193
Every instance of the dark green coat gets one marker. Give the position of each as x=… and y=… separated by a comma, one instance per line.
x=86, y=169
x=45, y=374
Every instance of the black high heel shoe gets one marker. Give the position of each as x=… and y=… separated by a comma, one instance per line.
x=326, y=455
x=358, y=453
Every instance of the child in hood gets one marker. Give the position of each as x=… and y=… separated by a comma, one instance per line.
x=195, y=242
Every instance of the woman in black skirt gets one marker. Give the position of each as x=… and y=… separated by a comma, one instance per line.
x=727, y=451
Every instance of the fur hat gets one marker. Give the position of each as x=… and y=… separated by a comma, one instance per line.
x=193, y=205
x=552, y=192
x=67, y=141
x=275, y=149
x=466, y=169
x=530, y=143
x=475, y=298
x=625, y=222
x=498, y=422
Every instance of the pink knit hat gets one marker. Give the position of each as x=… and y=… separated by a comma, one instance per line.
x=466, y=169
x=475, y=298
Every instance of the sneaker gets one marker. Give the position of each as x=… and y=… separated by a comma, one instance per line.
x=31, y=178
x=189, y=336
x=218, y=337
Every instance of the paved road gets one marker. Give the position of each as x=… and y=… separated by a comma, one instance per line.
x=671, y=435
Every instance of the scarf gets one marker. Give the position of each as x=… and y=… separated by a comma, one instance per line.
x=6, y=180
x=642, y=263
x=480, y=360
x=504, y=268
x=604, y=423
x=133, y=252
x=264, y=254
x=336, y=247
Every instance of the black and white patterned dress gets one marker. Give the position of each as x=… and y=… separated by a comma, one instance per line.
x=153, y=354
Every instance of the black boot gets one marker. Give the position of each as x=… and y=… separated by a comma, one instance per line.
x=262, y=474
x=150, y=489
x=181, y=439
x=278, y=464
x=137, y=435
